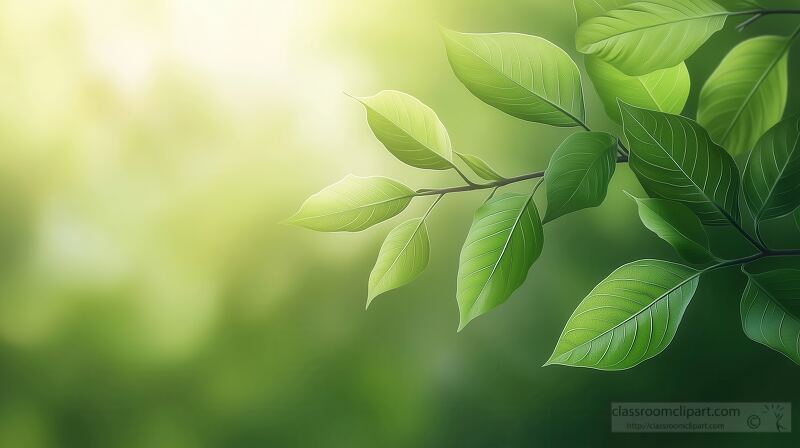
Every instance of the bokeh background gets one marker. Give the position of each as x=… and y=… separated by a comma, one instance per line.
x=149, y=296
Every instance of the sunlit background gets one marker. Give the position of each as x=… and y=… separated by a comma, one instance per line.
x=149, y=296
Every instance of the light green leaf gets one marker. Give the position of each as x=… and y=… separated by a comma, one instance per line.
x=628, y=318
x=353, y=204
x=481, y=168
x=579, y=173
x=505, y=239
x=409, y=129
x=663, y=90
x=772, y=176
x=675, y=223
x=403, y=256
x=524, y=76
x=674, y=158
x=746, y=95
x=587, y=9
x=770, y=306
x=650, y=35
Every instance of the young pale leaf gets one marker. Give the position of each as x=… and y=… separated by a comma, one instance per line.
x=746, y=95
x=505, y=239
x=524, y=76
x=650, y=35
x=409, y=129
x=479, y=167
x=579, y=173
x=587, y=9
x=772, y=176
x=740, y=5
x=770, y=306
x=674, y=158
x=663, y=90
x=353, y=204
x=675, y=223
x=403, y=256
x=628, y=318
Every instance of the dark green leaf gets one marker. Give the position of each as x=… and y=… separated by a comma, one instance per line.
x=674, y=158
x=579, y=173
x=675, y=223
x=772, y=176
x=505, y=239
x=770, y=306
x=628, y=318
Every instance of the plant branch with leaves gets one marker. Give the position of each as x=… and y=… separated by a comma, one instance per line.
x=634, y=53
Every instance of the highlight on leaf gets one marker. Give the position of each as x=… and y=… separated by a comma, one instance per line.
x=353, y=204
x=675, y=223
x=409, y=129
x=746, y=95
x=579, y=173
x=524, y=76
x=628, y=318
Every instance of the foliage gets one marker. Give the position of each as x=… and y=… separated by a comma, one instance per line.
x=634, y=55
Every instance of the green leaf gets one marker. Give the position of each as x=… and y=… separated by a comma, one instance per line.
x=579, y=173
x=409, y=129
x=746, y=95
x=770, y=306
x=628, y=318
x=403, y=256
x=674, y=158
x=481, y=168
x=587, y=9
x=524, y=76
x=650, y=35
x=797, y=218
x=740, y=5
x=353, y=204
x=663, y=90
x=675, y=223
x=505, y=239
x=772, y=176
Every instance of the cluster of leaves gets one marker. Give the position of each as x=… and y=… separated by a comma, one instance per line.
x=634, y=55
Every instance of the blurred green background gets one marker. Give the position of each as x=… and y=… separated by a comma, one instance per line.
x=149, y=297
